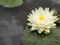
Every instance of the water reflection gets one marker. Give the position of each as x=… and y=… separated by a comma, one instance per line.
x=10, y=31
x=10, y=28
x=12, y=21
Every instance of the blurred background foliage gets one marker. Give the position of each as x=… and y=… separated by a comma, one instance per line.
x=11, y=3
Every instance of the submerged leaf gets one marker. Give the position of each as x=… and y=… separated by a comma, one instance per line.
x=33, y=38
x=11, y=3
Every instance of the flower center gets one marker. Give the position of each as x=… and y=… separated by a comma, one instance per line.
x=41, y=17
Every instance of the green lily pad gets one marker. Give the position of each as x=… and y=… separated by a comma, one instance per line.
x=11, y=3
x=33, y=38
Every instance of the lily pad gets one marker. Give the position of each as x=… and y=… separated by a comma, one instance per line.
x=11, y=3
x=33, y=38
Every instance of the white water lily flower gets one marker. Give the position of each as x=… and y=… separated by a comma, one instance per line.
x=42, y=20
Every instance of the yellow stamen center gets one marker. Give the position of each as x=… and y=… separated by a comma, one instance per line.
x=42, y=17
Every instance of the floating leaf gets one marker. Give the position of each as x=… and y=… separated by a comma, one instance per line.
x=11, y=3
x=33, y=38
